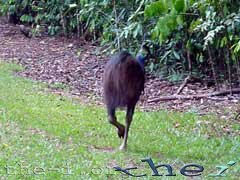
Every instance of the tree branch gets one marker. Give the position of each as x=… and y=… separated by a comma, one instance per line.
x=183, y=85
x=199, y=96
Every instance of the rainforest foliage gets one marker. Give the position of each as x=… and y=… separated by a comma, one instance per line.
x=187, y=37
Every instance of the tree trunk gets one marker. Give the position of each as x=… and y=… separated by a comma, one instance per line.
x=212, y=67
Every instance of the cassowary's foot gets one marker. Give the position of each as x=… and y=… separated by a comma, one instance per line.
x=121, y=132
x=123, y=146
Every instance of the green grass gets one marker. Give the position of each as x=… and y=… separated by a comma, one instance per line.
x=46, y=136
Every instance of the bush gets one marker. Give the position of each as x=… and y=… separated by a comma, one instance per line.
x=187, y=36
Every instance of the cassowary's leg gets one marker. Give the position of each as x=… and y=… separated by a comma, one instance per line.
x=113, y=120
x=130, y=111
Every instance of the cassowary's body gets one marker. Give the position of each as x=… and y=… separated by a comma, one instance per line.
x=123, y=84
x=123, y=81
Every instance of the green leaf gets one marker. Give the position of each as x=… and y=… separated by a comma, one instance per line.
x=137, y=31
x=156, y=9
x=176, y=55
x=170, y=21
x=194, y=24
x=179, y=20
x=200, y=58
x=179, y=5
x=26, y=18
x=223, y=41
x=73, y=5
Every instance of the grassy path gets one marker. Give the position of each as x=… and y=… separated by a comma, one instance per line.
x=46, y=136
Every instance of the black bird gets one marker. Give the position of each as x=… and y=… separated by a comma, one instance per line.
x=25, y=30
x=123, y=83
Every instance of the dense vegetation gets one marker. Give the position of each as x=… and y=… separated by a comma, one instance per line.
x=200, y=38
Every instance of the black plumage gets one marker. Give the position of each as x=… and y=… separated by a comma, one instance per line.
x=123, y=83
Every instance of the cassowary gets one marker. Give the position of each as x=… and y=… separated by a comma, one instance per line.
x=123, y=83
